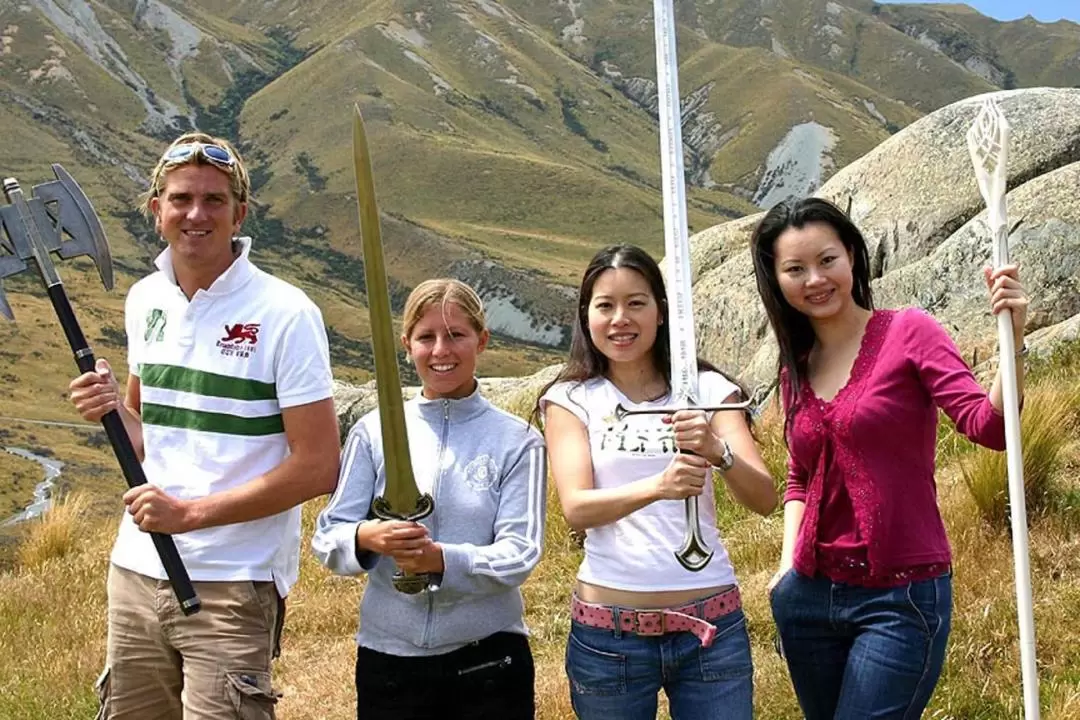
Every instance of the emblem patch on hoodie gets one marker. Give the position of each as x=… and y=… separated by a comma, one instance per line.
x=482, y=473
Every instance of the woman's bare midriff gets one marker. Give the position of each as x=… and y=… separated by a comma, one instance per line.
x=644, y=600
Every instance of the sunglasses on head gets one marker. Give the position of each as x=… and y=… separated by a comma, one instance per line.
x=214, y=154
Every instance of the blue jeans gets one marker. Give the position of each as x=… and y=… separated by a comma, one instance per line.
x=859, y=653
x=617, y=676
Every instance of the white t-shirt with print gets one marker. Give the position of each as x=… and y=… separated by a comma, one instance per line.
x=637, y=552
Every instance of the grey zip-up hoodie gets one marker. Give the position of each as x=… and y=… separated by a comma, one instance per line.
x=486, y=470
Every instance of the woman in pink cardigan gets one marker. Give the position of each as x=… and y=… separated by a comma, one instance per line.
x=863, y=597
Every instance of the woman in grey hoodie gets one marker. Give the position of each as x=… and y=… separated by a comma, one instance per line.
x=459, y=648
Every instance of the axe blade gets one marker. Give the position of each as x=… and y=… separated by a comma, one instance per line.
x=76, y=217
x=5, y=309
x=10, y=262
x=12, y=243
x=6, y=243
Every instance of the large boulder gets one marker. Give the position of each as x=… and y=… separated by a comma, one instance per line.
x=949, y=282
x=916, y=200
x=918, y=187
x=711, y=248
x=1043, y=342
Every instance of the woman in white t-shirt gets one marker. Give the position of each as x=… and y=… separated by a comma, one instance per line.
x=640, y=620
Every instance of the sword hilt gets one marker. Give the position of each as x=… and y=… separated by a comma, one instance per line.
x=404, y=582
x=694, y=554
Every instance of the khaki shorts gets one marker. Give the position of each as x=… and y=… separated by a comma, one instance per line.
x=213, y=665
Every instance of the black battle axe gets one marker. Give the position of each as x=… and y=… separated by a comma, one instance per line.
x=31, y=229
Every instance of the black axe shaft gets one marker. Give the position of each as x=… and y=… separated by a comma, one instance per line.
x=113, y=423
x=125, y=454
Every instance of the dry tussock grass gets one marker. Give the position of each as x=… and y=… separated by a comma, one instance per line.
x=52, y=614
x=1047, y=424
x=49, y=540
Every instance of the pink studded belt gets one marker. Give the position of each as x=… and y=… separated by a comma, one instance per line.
x=692, y=618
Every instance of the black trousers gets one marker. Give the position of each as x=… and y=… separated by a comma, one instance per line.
x=491, y=679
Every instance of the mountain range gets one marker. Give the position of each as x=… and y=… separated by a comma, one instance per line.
x=510, y=139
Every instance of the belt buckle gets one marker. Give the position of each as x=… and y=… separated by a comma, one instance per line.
x=647, y=615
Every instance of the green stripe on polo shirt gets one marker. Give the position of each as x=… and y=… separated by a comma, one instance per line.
x=154, y=414
x=172, y=377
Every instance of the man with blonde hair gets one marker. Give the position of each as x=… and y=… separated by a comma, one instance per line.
x=228, y=405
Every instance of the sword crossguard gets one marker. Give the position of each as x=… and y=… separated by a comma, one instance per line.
x=381, y=508
x=622, y=412
x=694, y=554
x=408, y=583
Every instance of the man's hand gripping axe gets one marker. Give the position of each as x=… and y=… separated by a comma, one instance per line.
x=31, y=229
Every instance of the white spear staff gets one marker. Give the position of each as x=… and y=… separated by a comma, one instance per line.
x=988, y=145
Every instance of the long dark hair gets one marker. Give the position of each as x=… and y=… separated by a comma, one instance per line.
x=793, y=331
x=586, y=361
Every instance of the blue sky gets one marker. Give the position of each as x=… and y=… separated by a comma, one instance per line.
x=1045, y=10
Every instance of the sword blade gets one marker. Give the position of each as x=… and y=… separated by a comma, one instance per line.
x=401, y=499
x=683, y=347
x=401, y=493
x=694, y=554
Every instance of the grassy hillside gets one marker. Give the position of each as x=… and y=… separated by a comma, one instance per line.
x=510, y=139
x=22, y=475
x=522, y=133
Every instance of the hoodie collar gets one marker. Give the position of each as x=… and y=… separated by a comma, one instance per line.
x=456, y=409
x=234, y=277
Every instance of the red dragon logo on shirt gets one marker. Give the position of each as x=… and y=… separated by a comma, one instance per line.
x=241, y=332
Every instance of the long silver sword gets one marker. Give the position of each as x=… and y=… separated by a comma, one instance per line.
x=988, y=145
x=694, y=554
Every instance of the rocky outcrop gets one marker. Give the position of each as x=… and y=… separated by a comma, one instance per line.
x=917, y=188
x=948, y=281
x=1043, y=342
x=513, y=394
x=916, y=200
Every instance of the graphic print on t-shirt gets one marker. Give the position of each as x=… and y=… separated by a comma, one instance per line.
x=481, y=473
x=240, y=339
x=155, y=325
x=641, y=435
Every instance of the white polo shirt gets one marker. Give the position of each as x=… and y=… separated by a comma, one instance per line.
x=215, y=374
